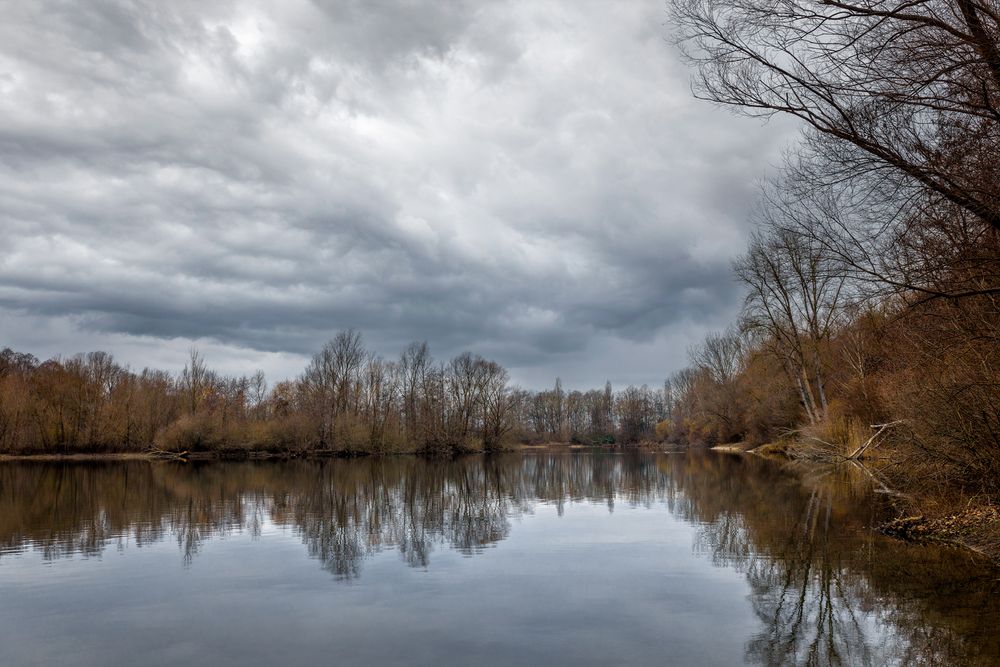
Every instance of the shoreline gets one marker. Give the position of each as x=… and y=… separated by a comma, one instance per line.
x=59, y=458
x=975, y=529
x=923, y=519
x=263, y=455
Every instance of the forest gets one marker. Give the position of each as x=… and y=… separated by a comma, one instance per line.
x=347, y=401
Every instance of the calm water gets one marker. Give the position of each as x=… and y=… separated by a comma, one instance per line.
x=547, y=559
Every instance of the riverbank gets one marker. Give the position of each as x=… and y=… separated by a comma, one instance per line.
x=927, y=515
x=240, y=454
x=59, y=458
x=159, y=456
x=923, y=518
x=214, y=455
x=733, y=448
x=976, y=528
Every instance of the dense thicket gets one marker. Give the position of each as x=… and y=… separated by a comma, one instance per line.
x=873, y=277
x=347, y=400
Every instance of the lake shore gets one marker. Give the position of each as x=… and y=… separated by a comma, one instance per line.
x=59, y=458
x=924, y=517
x=258, y=454
x=218, y=455
x=975, y=528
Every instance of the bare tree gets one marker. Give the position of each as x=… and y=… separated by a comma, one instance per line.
x=796, y=296
x=889, y=243
x=498, y=406
x=414, y=364
x=906, y=89
x=194, y=379
x=332, y=378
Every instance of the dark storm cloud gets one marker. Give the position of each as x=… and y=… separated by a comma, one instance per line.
x=528, y=180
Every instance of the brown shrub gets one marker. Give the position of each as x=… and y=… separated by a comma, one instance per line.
x=193, y=433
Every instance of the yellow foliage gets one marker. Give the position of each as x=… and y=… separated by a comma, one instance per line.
x=662, y=430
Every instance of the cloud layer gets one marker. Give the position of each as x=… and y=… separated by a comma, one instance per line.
x=528, y=180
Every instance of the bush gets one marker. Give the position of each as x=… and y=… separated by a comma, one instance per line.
x=662, y=430
x=191, y=433
x=282, y=434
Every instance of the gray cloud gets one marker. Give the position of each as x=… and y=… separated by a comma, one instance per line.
x=528, y=180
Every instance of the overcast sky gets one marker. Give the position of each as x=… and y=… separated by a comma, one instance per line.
x=531, y=181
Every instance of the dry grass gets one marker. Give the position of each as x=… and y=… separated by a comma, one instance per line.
x=736, y=447
x=779, y=448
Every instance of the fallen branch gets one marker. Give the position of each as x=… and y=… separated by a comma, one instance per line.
x=880, y=485
x=158, y=453
x=856, y=454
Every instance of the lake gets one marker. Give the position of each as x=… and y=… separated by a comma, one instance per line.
x=547, y=558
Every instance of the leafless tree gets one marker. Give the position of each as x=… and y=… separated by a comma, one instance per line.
x=795, y=295
x=906, y=89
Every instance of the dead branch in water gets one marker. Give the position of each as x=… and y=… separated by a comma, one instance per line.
x=157, y=453
x=880, y=485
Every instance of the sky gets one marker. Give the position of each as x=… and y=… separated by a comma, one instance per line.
x=529, y=181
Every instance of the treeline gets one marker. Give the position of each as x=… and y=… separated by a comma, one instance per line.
x=347, y=400
x=873, y=276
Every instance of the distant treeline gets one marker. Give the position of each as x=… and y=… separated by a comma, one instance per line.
x=873, y=278
x=348, y=400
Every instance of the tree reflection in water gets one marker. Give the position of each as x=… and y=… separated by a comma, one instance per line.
x=826, y=589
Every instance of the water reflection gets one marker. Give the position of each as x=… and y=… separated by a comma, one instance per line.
x=825, y=589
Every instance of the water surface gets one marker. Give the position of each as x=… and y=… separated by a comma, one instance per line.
x=547, y=558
